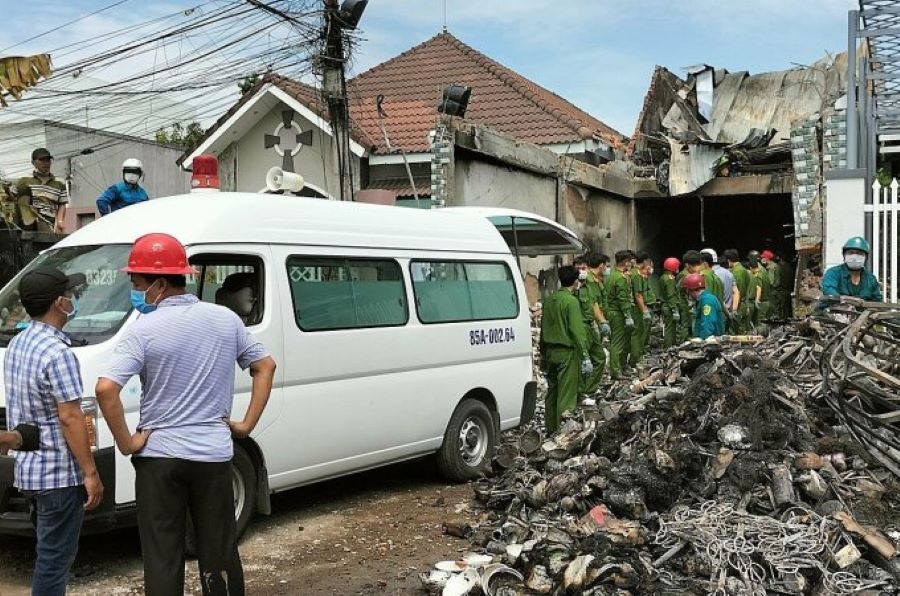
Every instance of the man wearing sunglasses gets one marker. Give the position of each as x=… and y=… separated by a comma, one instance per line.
x=42, y=197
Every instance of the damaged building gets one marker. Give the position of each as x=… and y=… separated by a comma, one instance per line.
x=738, y=160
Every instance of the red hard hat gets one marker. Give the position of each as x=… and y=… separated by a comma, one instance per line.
x=672, y=264
x=692, y=282
x=159, y=254
x=767, y=254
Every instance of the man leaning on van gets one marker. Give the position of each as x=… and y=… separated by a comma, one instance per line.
x=184, y=351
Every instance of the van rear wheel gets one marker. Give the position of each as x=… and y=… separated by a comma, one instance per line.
x=243, y=484
x=469, y=442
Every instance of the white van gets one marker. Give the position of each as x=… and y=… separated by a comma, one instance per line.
x=397, y=332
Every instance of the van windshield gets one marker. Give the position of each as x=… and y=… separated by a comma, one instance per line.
x=104, y=301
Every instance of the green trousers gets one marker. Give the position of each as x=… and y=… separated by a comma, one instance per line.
x=762, y=312
x=619, y=342
x=648, y=330
x=781, y=304
x=637, y=337
x=563, y=376
x=742, y=319
x=597, y=355
x=683, y=330
x=670, y=328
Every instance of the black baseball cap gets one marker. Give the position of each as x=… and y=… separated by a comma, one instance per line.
x=39, y=153
x=41, y=286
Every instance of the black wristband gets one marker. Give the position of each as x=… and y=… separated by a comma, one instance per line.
x=31, y=437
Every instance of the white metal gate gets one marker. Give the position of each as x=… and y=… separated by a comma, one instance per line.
x=885, y=220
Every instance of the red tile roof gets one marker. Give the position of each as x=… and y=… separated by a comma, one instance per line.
x=412, y=83
x=502, y=99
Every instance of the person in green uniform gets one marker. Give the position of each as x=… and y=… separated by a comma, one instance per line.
x=563, y=348
x=669, y=299
x=763, y=294
x=590, y=295
x=767, y=257
x=619, y=302
x=752, y=291
x=641, y=310
x=652, y=302
x=713, y=283
x=785, y=287
x=684, y=331
x=742, y=282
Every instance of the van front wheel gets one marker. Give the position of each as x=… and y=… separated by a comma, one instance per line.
x=468, y=442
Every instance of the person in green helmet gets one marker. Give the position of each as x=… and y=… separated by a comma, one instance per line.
x=851, y=278
x=563, y=348
x=619, y=304
x=590, y=295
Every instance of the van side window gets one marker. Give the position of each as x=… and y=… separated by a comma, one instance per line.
x=344, y=293
x=449, y=291
x=233, y=281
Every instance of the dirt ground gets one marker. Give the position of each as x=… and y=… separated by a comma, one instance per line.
x=365, y=534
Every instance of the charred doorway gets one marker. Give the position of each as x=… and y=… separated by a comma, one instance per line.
x=670, y=226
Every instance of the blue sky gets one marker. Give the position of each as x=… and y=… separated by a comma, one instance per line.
x=598, y=54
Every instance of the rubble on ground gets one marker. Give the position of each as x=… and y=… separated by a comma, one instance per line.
x=734, y=467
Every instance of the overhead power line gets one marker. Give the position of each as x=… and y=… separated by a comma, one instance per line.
x=58, y=27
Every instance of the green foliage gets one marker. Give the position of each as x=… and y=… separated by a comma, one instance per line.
x=185, y=137
x=248, y=83
x=883, y=177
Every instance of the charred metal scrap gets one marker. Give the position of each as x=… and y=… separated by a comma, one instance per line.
x=756, y=466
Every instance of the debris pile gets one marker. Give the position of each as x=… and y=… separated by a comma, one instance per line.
x=727, y=469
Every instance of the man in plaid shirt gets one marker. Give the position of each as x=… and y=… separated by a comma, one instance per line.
x=43, y=387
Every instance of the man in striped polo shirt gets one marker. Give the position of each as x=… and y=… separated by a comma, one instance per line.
x=42, y=197
x=184, y=351
x=43, y=387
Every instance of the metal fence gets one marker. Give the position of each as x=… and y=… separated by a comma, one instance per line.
x=885, y=209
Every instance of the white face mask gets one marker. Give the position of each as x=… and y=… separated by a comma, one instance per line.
x=855, y=262
x=582, y=275
x=131, y=178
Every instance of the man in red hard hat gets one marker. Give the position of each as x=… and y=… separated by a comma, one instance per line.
x=184, y=351
x=670, y=297
x=709, y=318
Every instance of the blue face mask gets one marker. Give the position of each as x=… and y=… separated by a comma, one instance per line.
x=75, y=307
x=607, y=272
x=139, y=301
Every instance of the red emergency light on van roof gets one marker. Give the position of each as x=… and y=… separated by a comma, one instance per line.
x=205, y=173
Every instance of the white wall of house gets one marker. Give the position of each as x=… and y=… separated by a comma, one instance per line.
x=844, y=216
x=316, y=163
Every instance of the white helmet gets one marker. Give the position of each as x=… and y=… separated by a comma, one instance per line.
x=711, y=253
x=132, y=164
x=132, y=170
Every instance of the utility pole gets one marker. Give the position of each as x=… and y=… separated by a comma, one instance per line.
x=335, y=88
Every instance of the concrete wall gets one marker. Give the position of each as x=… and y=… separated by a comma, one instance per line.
x=486, y=184
x=603, y=221
x=91, y=174
x=315, y=163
